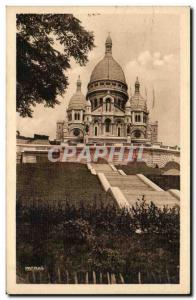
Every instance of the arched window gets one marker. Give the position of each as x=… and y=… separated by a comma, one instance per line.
x=108, y=105
x=107, y=125
x=95, y=130
x=76, y=131
x=137, y=134
x=128, y=129
x=118, y=131
x=137, y=118
x=77, y=116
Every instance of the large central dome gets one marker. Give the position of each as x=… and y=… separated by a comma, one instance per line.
x=108, y=68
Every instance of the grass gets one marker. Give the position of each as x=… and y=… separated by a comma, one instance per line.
x=166, y=182
x=53, y=182
x=136, y=167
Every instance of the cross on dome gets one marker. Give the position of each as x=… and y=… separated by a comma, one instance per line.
x=108, y=45
x=137, y=85
x=79, y=83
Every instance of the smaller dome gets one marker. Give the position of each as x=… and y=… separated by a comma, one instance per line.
x=78, y=100
x=137, y=101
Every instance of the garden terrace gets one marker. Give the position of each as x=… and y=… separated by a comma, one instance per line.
x=51, y=183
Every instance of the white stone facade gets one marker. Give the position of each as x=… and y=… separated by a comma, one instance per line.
x=107, y=115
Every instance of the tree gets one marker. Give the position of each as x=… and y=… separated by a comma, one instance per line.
x=45, y=45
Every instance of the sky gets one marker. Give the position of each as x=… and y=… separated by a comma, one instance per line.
x=145, y=45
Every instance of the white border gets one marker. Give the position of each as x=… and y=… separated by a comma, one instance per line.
x=2, y=90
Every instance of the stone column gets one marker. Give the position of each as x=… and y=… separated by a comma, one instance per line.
x=133, y=117
x=99, y=129
x=81, y=115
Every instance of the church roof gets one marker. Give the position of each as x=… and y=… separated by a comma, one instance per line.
x=78, y=100
x=137, y=101
x=108, y=68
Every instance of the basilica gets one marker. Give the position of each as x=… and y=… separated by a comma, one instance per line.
x=107, y=114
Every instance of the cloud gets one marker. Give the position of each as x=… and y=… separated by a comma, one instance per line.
x=150, y=60
x=144, y=58
x=169, y=58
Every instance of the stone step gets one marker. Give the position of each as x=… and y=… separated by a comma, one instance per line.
x=110, y=172
x=146, y=193
x=130, y=178
x=134, y=188
x=130, y=185
x=101, y=166
x=126, y=180
x=127, y=183
x=159, y=198
x=131, y=182
x=103, y=169
x=158, y=201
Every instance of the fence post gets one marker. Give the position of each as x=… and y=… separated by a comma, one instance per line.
x=108, y=278
x=67, y=275
x=101, y=278
x=168, y=277
x=49, y=281
x=113, y=278
x=94, y=277
x=121, y=278
x=86, y=278
x=34, y=278
x=139, y=278
x=40, y=276
x=154, y=277
x=59, y=274
x=75, y=278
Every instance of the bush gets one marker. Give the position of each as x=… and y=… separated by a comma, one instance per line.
x=103, y=238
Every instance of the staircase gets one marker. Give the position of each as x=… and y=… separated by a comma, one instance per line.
x=134, y=188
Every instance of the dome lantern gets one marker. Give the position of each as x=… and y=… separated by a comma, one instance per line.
x=79, y=84
x=108, y=45
x=137, y=86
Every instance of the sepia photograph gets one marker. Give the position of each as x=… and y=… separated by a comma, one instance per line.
x=98, y=171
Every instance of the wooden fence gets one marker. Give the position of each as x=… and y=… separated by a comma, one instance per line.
x=62, y=276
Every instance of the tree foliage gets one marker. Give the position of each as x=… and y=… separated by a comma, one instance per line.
x=45, y=45
x=102, y=239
